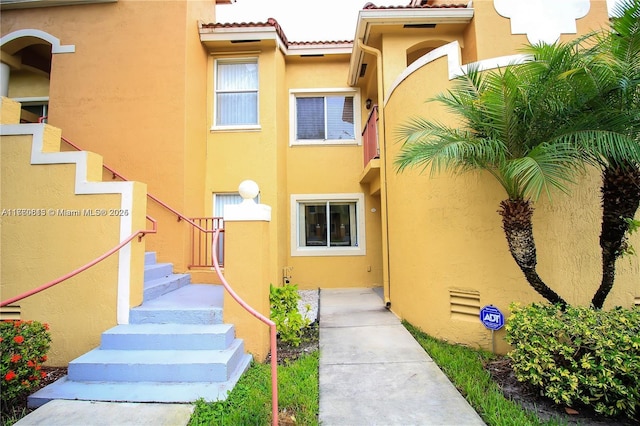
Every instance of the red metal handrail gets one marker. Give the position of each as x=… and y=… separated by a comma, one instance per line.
x=201, y=243
x=71, y=274
x=154, y=198
x=271, y=324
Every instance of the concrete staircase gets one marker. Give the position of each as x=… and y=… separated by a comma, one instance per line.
x=174, y=349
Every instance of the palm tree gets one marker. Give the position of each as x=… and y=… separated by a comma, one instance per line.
x=616, y=59
x=525, y=125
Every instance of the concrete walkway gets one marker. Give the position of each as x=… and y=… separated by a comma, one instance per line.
x=373, y=372
x=89, y=413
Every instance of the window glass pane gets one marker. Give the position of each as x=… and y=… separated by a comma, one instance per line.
x=315, y=220
x=310, y=118
x=236, y=93
x=341, y=220
x=237, y=76
x=340, y=117
x=237, y=108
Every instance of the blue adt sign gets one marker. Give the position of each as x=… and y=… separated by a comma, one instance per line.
x=491, y=317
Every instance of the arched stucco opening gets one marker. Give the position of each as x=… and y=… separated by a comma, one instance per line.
x=420, y=49
x=26, y=69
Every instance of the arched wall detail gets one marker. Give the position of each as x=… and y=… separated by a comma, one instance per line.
x=56, y=46
x=454, y=64
x=413, y=52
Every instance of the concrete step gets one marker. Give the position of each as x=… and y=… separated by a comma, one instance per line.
x=191, y=304
x=157, y=270
x=101, y=365
x=149, y=257
x=157, y=287
x=168, y=337
x=176, y=392
x=174, y=349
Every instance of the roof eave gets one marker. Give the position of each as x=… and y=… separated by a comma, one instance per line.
x=210, y=36
x=320, y=49
x=368, y=18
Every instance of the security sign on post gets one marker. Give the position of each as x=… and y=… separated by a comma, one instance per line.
x=491, y=317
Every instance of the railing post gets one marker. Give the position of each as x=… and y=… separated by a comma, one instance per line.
x=247, y=267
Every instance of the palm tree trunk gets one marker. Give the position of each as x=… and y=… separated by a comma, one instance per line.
x=620, y=201
x=518, y=228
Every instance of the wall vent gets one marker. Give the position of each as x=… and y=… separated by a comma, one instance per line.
x=10, y=312
x=363, y=70
x=465, y=304
x=637, y=301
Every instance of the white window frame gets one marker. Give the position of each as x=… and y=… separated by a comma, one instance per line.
x=216, y=126
x=296, y=93
x=297, y=250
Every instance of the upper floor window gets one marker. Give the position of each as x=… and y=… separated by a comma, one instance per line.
x=327, y=117
x=236, y=93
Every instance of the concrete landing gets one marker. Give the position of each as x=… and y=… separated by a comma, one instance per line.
x=373, y=372
x=64, y=413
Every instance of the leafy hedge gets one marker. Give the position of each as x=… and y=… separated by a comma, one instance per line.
x=290, y=323
x=580, y=356
x=23, y=349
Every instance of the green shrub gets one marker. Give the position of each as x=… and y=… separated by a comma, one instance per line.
x=23, y=349
x=579, y=357
x=290, y=323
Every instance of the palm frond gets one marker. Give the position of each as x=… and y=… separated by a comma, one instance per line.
x=442, y=148
x=605, y=147
x=546, y=167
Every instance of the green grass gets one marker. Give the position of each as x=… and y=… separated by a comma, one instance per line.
x=465, y=368
x=12, y=416
x=250, y=401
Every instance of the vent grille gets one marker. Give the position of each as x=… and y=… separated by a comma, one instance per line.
x=637, y=301
x=10, y=312
x=465, y=304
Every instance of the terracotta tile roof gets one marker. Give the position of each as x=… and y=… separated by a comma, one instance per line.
x=313, y=43
x=273, y=23
x=270, y=23
x=414, y=4
x=419, y=4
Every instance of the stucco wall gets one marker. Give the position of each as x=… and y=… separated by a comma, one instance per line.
x=490, y=35
x=447, y=243
x=59, y=236
x=135, y=92
x=330, y=170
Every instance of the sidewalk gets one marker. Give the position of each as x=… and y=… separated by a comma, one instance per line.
x=89, y=413
x=372, y=371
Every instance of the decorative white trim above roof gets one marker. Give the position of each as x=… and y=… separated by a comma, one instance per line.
x=56, y=46
x=454, y=64
x=542, y=20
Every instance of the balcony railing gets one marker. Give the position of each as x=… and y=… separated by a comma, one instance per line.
x=370, y=137
x=202, y=242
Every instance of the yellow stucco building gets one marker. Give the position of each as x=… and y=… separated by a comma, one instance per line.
x=186, y=108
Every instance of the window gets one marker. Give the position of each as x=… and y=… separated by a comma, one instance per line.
x=324, y=117
x=34, y=112
x=327, y=225
x=236, y=93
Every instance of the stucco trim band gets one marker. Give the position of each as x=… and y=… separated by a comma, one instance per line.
x=83, y=186
x=454, y=64
x=56, y=47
